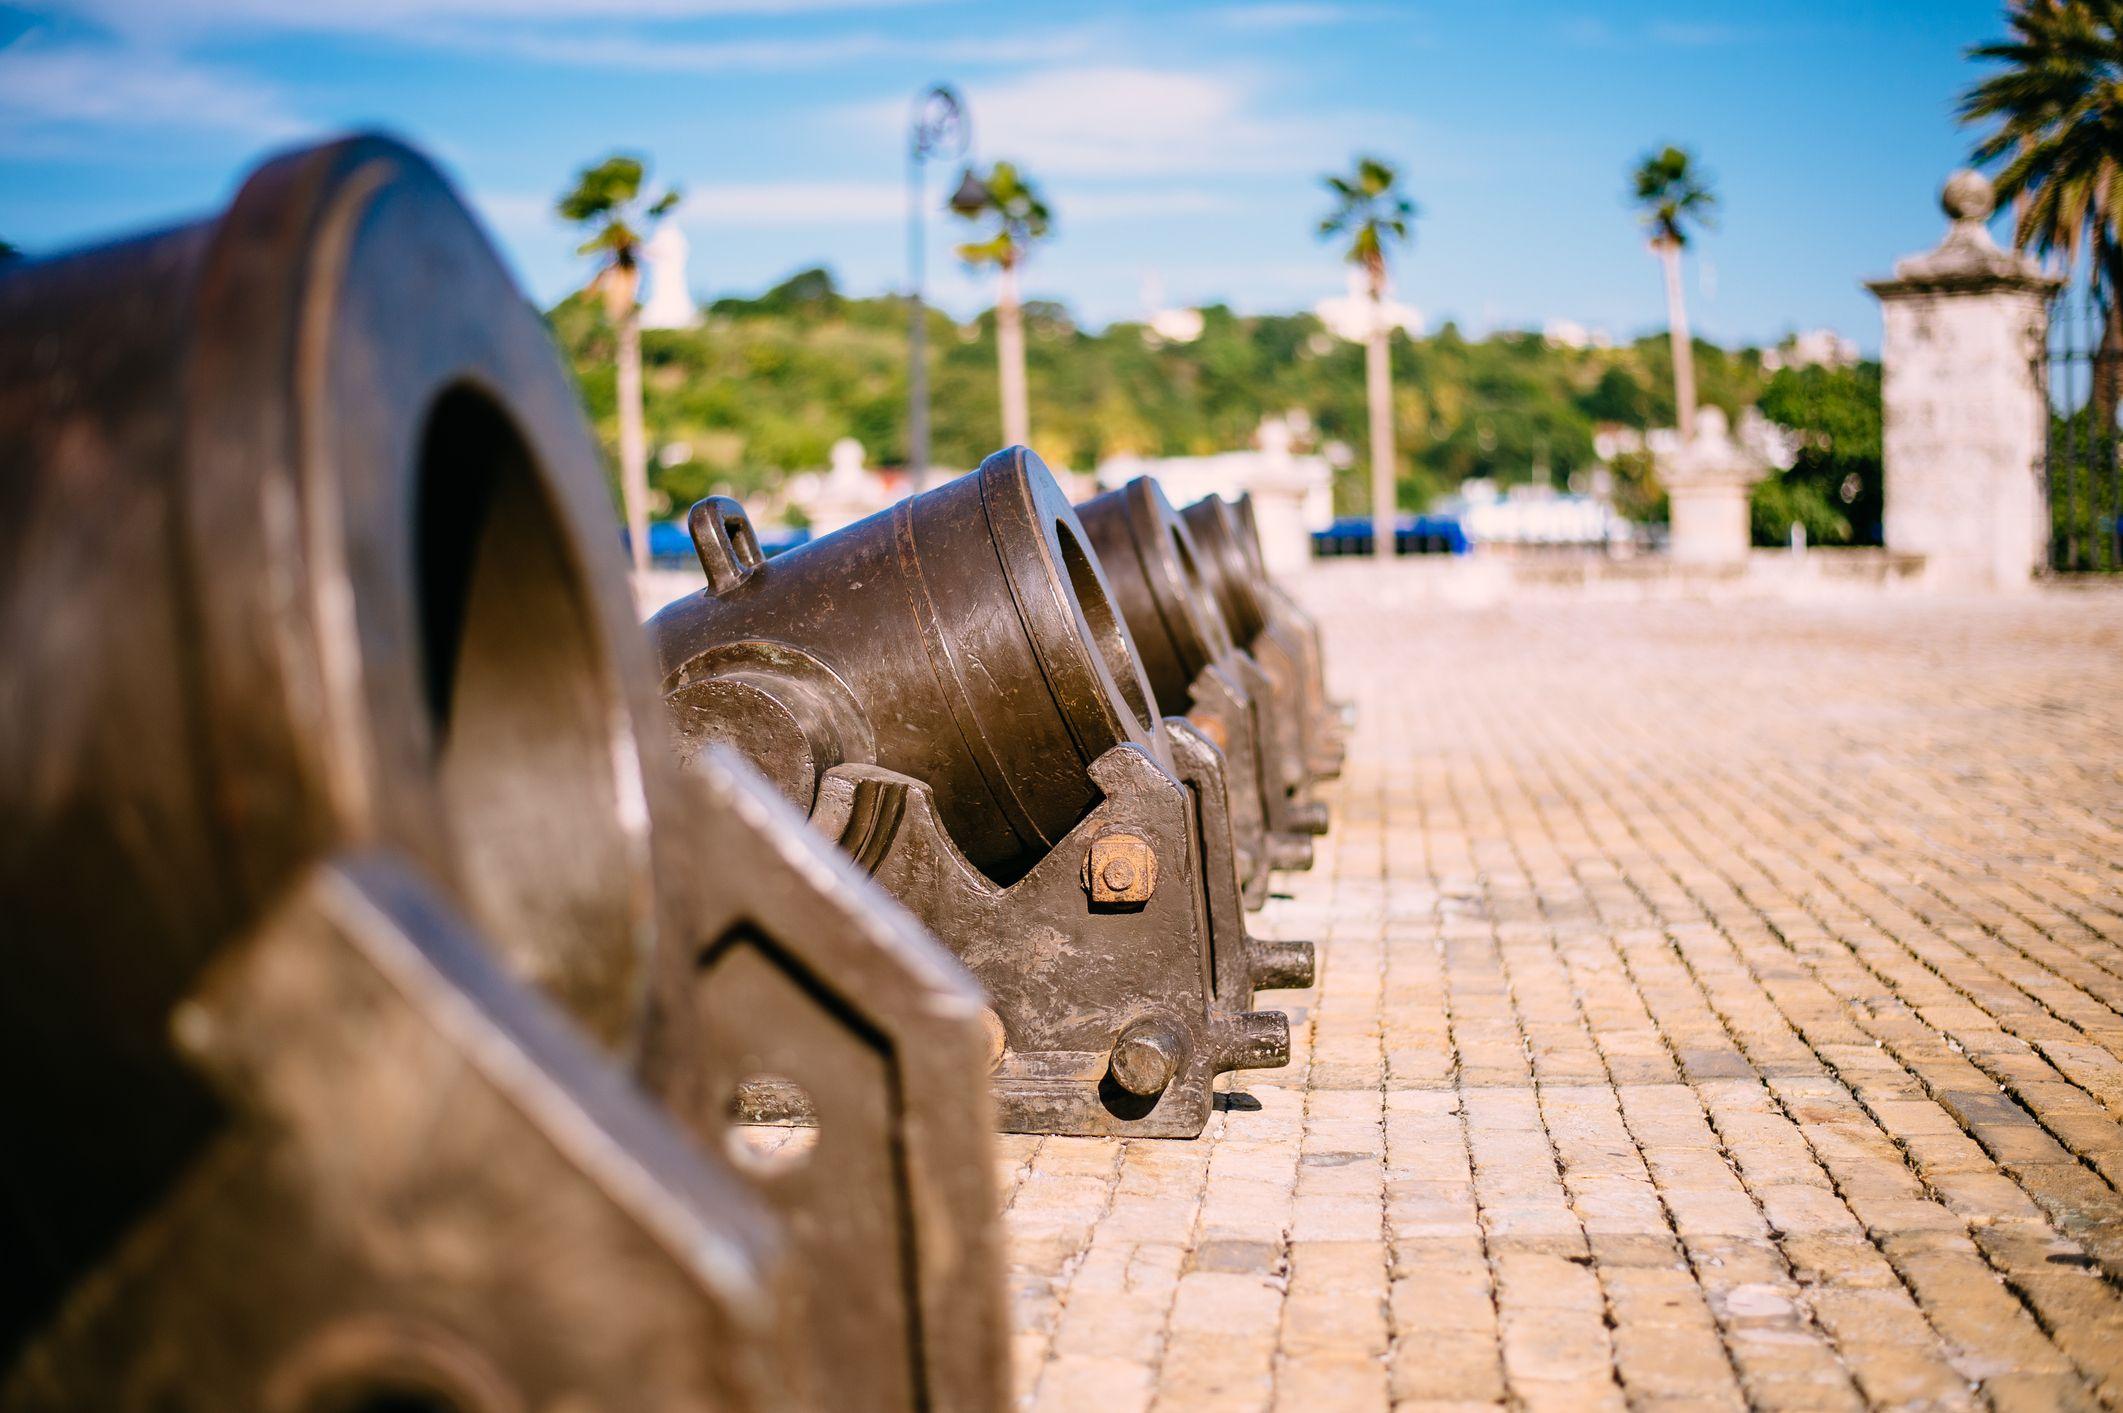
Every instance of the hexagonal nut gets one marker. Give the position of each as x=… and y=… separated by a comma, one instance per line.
x=1120, y=869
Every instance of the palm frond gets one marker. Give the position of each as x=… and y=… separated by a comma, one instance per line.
x=1370, y=209
x=2054, y=106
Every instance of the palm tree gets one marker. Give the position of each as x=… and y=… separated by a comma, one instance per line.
x=1372, y=211
x=1672, y=193
x=607, y=200
x=1021, y=218
x=2058, y=109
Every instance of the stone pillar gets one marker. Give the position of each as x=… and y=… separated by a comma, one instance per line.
x=1963, y=404
x=1708, y=479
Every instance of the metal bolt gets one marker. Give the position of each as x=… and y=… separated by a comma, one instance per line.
x=1253, y=1040
x=991, y=1026
x=1120, y=868
x=192, y=1028
x=1147, y=1056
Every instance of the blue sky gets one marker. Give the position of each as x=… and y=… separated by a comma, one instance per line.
x=1179, y=143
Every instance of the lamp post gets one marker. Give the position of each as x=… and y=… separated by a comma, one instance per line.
x=941, y=127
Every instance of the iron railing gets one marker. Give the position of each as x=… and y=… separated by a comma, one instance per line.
x=2083, y=372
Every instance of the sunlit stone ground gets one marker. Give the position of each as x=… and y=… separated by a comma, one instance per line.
x=1721, y=1004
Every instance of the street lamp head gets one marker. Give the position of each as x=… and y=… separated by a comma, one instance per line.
x=941, y=125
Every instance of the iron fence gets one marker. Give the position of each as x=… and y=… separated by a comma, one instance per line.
x=2083, y=371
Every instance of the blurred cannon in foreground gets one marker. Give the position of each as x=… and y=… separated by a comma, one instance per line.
x=1269, y=638
x=948, y=689
x=1194, y=666
x=357, y=920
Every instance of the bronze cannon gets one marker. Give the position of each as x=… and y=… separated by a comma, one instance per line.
x=1330, y=717
x=376, y=1034
x=1240, y=590
x=1195, y=667
x=950, y=691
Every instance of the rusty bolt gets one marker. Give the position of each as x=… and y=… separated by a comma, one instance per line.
x=1120, y=868
x=1147, y=1056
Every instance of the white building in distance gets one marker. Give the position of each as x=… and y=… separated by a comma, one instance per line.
x=1349, y=315
x=670, y=303
x=1814, y=348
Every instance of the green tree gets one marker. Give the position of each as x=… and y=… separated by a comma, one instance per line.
x=2056, y=107
x=1672, y=194
x=1018, y=218
x=1373, y=214
x=1834, y=487
x=607, y=201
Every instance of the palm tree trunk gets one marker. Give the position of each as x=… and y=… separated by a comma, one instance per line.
x=1378, y=393
x=1683, y=345
x=633, y=450
x=1010, y=353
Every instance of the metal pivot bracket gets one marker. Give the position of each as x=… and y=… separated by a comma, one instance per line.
x=1225, y=712
x=1272, y=682
x=1328, y=719
x=809, y=1030
x=1244, y=963
x=1221, y=710
x=1108, y=1016
x=427, y=1191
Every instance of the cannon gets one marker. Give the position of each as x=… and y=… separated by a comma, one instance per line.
x=1192, y=663
x=1331, y=717
x=1240, y=591
x=949, y=691
x=376, y=1034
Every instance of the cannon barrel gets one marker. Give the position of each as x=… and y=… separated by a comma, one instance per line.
x=283, y=567
x=1234, y=583
x=354, y=912
x=1329, y=718
x=966, y=637
x=1153, y=566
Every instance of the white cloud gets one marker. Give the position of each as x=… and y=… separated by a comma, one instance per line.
x=753, y=205
x=1694, y=36
x=1272, y=16
x=1121, y=121
x=46, y=87
x=1082, y=205
x=792, y=203
x=409, y=17
x=653, y=54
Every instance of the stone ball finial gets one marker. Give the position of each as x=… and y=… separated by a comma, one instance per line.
x=1968, y=196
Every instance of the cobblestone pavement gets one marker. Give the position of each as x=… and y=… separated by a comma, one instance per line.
x=1720, y=1005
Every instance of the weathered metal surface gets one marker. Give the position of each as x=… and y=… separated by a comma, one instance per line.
x=965, y=637
x=1193, y=664
x=1241, y=594
x=1071, y=978
x=424, y=1190
x=304, y=557
x=949, y=690
x=798, y=991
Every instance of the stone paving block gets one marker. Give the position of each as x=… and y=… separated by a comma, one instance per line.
x=1720, y=1004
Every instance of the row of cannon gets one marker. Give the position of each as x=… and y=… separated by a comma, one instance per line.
x=430, y=991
